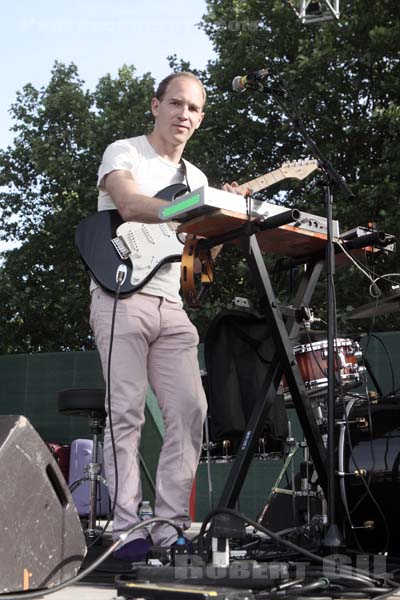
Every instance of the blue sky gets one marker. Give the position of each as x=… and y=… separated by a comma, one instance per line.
x=99, y=36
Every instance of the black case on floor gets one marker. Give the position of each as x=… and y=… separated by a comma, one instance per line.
x=238, y=349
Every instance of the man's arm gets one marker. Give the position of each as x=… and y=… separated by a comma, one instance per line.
x=134, y=206
x=131, y=204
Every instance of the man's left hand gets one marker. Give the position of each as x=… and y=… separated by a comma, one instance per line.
x=233, y=187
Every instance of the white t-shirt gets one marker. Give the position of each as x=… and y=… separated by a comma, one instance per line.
x=152, y=173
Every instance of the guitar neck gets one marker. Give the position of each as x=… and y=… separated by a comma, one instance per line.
x=262, y=182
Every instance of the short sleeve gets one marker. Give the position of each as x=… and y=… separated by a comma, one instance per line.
x=117, y=156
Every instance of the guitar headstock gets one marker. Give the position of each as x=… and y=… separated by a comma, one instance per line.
x=299, y=169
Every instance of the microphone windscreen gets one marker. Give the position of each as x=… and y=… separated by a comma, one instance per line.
x=237, y=84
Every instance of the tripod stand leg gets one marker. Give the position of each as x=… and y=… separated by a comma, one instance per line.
x=93, y=488
x=275, y=488
x=210, y=484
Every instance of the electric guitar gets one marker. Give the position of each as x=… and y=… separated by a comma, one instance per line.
x=104, y=241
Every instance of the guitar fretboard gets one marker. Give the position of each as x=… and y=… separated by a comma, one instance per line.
x=262, y=182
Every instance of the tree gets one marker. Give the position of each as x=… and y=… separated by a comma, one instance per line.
x=49, y=177
x=344, y=77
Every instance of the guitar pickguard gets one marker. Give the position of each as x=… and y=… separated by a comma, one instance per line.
x=105, y=241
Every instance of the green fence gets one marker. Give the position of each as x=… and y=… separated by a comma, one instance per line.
x=30, y=385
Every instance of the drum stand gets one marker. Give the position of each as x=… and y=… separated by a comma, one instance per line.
x=208, y=447
x=305, y=490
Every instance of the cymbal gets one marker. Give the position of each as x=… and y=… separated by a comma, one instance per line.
x=381, y=306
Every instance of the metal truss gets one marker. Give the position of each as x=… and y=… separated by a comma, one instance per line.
x=314, y=11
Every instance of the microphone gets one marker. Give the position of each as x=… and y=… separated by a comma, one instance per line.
x=240, y=83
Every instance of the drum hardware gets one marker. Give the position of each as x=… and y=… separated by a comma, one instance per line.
x=262, y=447
x=207, y=446
x=264, y=454
x=373, y=397
x=362, y=423
x=305, y=491
x=340, y=423
x=310, y=358
x=364, y=526
x=360, y=472
x=312, y=362
x=226, y=446
x=223, y=452
x=317, y=406
x=356, y=473
x=368, y=471
x=276, y=489
x=306, y=470
x=212, y=454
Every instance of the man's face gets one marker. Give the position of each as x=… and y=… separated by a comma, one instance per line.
x=180, y=112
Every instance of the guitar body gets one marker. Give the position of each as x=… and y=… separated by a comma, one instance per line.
x=94, y=239
x=105, y=241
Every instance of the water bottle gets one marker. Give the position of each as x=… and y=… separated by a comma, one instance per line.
x=146, y=512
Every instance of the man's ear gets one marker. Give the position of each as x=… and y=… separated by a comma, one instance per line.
x=155, y=103
x=200, y=120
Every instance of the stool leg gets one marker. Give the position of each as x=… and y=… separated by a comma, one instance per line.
x=91, y=529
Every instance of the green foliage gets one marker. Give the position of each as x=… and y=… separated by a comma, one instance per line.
x=344, y=79
x=49, y=182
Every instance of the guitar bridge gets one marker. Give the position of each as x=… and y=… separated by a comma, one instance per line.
x=121, y=247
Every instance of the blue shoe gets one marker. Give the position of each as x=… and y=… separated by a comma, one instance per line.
x=133, y=551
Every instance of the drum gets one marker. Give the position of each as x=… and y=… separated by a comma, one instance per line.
x=217, y=452
x=369, y=474
x=225, y=451
x=312, y=360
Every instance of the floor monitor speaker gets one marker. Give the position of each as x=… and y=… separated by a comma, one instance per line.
x=41, y=538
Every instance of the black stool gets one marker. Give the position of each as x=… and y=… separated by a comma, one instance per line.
x=88, y=402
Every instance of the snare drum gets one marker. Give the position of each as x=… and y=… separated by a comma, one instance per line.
x=312, y=360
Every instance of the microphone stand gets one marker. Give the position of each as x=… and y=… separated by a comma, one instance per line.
x=278, y=90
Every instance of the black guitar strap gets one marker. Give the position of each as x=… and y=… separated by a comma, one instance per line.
x=185, y=174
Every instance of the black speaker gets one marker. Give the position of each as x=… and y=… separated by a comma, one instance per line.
x=41, y=539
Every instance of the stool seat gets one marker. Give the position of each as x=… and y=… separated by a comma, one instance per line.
x=82, y=402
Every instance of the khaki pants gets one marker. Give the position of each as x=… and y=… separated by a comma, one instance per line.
x=154, y=343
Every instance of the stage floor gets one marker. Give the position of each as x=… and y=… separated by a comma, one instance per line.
x=86, y=592
x=101, y=584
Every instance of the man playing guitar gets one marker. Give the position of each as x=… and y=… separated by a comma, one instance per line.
x=154, y=342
